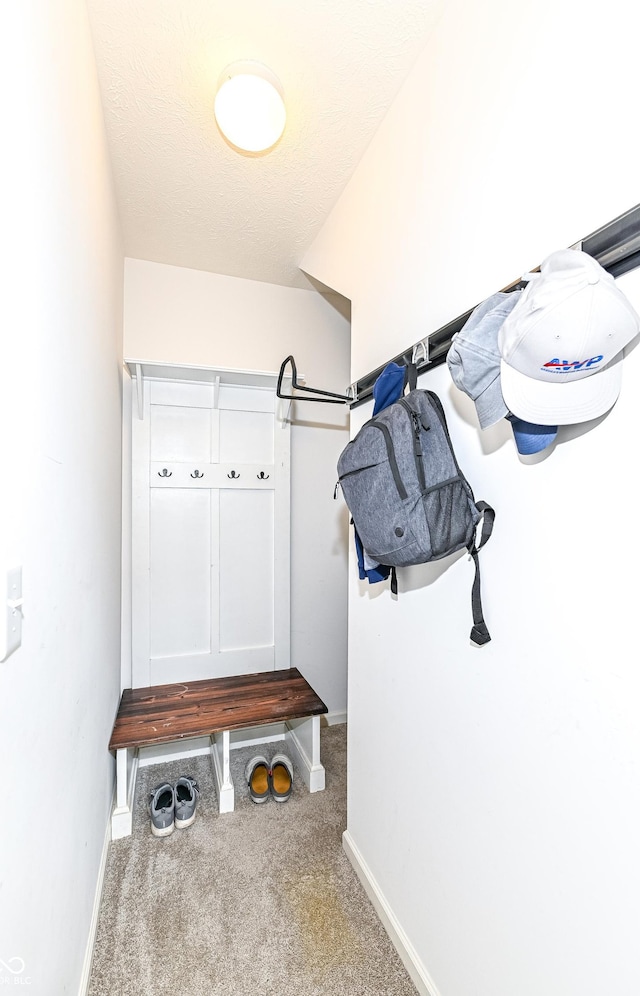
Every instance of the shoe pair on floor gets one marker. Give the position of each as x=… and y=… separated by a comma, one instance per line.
x=266, y=779
x=173, y=806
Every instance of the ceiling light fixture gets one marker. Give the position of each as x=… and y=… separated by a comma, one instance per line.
x=249, y=107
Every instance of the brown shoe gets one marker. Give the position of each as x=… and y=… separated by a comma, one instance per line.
x=281, y=777
x=257, y=778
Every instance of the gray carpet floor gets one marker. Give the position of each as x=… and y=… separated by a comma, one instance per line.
x=258, y=902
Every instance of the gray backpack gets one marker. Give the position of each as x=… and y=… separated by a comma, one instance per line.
x=408, y=498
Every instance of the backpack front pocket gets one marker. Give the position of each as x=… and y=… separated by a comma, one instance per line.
x=379, y=517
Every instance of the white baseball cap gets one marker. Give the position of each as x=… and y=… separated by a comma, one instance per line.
x=562, y=345
x=474, y=364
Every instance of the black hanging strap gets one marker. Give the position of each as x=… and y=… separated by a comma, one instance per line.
x=394, y=581
x=410, y=377
x=480, y=634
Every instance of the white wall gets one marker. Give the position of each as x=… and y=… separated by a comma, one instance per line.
x=500, y=822
x=60, y=316
x=177, y=315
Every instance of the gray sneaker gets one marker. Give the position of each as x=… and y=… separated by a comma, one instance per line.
x=187, y=793
x=161, y=809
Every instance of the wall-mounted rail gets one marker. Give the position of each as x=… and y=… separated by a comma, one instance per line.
x=616, y=246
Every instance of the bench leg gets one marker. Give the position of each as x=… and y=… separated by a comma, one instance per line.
x=126, y=772
x=220, y=747
x=303, y=740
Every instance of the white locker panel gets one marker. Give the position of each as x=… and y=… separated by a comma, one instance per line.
x=246, y=569
x=166, y=392
x=249, y=399
x=180, y=433
x=210, y=528
x=246, y=437
x=180, y=572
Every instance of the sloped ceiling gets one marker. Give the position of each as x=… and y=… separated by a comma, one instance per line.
x=185, y=196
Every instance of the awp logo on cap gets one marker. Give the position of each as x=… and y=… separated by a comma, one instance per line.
x=563, y=366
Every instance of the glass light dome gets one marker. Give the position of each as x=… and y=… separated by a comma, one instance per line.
x=249, y=107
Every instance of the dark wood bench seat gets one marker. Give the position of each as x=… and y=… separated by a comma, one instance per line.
x=214, y=707
x=162, y=713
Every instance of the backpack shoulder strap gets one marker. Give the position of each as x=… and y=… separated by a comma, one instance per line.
x=410, y=377
x=479, y=633
x=394, y=581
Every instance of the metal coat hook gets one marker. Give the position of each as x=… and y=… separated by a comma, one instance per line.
x=233, y=475
x=262, y=476
x=420, y=347
x=328, y=397
x=165, y=473
x=197, y=473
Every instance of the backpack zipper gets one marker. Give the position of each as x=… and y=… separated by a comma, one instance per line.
x=393, y=463
x=439, y=410
x=417, y=443
x=350, y=473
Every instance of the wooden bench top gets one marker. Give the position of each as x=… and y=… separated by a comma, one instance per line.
x=161, y=713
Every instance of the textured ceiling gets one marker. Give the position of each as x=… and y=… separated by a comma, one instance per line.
x=185, y=196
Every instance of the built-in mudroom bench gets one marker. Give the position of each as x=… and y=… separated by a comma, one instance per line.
x=214, y=707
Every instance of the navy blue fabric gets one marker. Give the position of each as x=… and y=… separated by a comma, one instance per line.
x=388, y=387
x=379, y=573
x=386, y=390
x=530, y=437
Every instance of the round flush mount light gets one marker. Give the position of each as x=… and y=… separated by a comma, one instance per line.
x=249, y=107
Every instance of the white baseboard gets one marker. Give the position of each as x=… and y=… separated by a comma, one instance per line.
x=163, y=753
x=408, y=955
x=267, y=734
x=85, y=978
x=175, y=751
x=335, y=718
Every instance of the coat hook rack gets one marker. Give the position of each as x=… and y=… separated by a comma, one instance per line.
x=616, y=246
x=420, y=352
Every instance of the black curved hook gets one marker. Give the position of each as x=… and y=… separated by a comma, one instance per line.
x=165, y=472
x=197, y=473
x=329, y=398
x=233, y=475
x=262, y=476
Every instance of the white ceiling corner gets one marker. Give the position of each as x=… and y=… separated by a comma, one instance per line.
x=185, y=197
